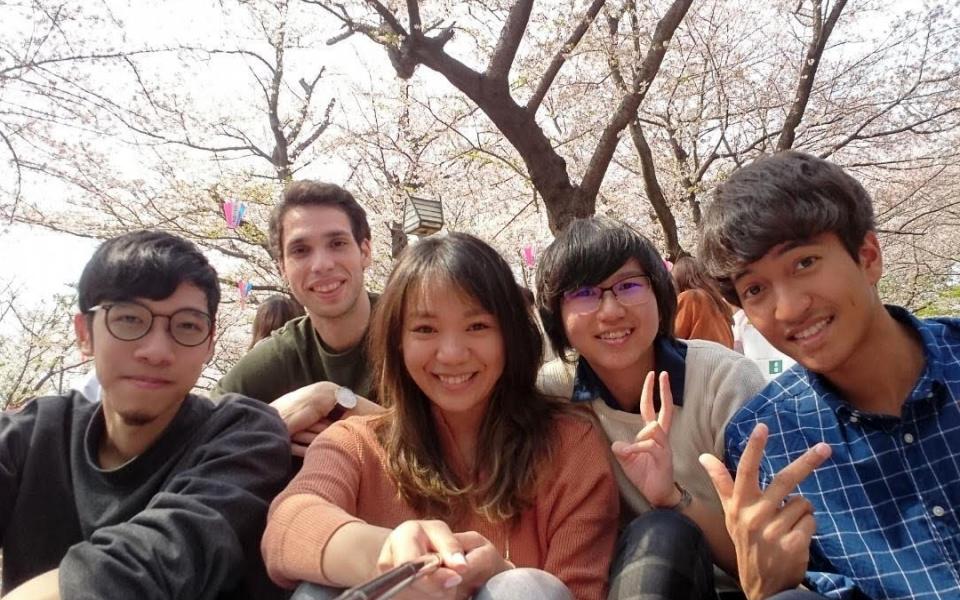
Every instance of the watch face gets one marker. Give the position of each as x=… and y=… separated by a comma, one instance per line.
x=345, y=397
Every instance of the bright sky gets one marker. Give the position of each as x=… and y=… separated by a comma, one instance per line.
x=41, y=263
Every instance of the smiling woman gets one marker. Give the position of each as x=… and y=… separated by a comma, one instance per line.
x=469, y=462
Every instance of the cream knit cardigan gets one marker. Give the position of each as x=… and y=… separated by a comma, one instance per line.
x=718, y=382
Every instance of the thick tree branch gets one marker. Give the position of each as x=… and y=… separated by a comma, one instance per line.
x=533, y=104
x=498, y=69
x=627, y=110
x=808, y=70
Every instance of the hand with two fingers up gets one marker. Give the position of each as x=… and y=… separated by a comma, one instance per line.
x=771, y=532
x=648, y=460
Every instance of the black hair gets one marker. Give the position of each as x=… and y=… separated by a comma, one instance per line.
x=316, y=193
x=786, y=197
x=587, y=252
x=146, y=264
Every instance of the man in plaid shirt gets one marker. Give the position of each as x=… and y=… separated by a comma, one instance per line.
x=846, y=469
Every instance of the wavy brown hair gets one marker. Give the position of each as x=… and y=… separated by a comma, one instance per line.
x=515, y=437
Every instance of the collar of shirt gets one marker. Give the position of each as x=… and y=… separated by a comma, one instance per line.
x=928, y=388
x=669, y=354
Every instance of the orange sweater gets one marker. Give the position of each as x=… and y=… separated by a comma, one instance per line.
x=698, y=318
x=569, y=532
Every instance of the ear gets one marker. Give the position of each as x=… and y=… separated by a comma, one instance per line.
x=365, y=252
x=81, y=326
x=871, y=258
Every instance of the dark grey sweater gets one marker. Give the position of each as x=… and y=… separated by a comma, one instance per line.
x=182, y=520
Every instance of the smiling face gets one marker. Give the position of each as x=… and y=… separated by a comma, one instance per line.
x=452, y=349
x=813, y=301
x=144, y=381
x=615, y=339
x=321, y=261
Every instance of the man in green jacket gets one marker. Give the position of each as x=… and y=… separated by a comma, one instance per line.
x=320, y=237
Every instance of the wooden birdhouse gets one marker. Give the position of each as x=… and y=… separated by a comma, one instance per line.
x=422, y=216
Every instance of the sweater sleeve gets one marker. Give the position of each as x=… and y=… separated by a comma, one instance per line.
x=262, y=373
x=197, y=537
x=321, y=499
x=580, y=511
x=733, y=384
x=15, y=433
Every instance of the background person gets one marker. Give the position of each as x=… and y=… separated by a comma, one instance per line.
x=272, y=314
x=702, y=313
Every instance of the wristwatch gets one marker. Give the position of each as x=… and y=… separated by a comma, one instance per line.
x=685, y=498
x=346, y=400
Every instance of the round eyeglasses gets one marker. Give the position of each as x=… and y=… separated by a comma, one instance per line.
x=129, y=321
x=629, y=291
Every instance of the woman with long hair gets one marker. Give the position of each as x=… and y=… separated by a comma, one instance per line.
x=469, y=461
x=702, y=313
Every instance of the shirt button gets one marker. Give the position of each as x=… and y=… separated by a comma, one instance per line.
x=908, y=438
x=938, y=511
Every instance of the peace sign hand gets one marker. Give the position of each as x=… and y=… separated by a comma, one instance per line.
x=772, y=537
x=648, y=460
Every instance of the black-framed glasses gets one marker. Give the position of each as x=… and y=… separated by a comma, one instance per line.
x=130, y=321
x=629, y=291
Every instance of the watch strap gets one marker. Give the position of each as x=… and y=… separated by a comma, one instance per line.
x=685, y=498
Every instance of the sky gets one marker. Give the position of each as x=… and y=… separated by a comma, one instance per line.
x=40, y=263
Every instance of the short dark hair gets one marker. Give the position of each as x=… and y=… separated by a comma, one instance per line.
x=146, y=264
x=316, y=193
x=587, y=252
x=785, y=197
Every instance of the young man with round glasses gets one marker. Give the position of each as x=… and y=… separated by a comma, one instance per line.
x=153, y=492
x=604, y=293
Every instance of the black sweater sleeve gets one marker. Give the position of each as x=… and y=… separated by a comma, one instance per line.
x=199, y=534
x=15, y=431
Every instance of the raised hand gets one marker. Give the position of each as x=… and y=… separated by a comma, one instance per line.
x=771, y=536
x=648, y=460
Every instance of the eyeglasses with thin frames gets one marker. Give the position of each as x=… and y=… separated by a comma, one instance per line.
x=129, y=321
x=629, y=291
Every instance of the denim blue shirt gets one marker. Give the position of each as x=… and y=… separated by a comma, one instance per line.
x=887, y=502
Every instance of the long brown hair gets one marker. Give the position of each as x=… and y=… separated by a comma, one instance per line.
x=689, y=275
x=516, y=432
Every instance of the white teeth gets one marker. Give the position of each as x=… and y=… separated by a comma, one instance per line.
x=812, y=330
x=615, y=335
x=454, y=379
x=323, y=289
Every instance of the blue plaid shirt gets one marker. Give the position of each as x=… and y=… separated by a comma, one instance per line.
x=887, y=502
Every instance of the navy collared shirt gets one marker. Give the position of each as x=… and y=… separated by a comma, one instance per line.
x=669, y=355
x=887, y=501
